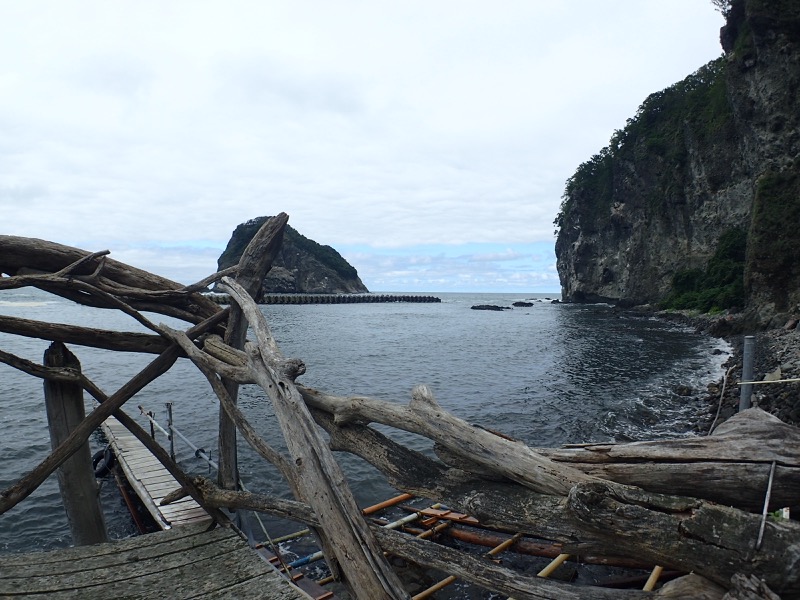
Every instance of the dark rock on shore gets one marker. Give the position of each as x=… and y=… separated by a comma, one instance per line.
x=777, y=356
x=521, y=304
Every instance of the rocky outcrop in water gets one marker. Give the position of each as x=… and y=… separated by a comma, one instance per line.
x=718, y=152
x=302, y=265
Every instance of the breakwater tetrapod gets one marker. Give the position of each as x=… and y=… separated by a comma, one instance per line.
x=330, y=298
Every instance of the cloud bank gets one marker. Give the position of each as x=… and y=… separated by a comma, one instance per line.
x=428, y=142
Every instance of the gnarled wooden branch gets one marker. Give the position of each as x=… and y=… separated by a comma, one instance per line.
x=605, y=518
x=689, y=534
x=84, y=336
x=259, y=502
x=424, y=416
x=319, y=480
x=50, y=266
x=254, y=264
x=208, y=365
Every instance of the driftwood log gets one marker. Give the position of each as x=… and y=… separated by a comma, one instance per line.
x=316, y=477
x=731, y=466
x=598, y=517
x=693, y=505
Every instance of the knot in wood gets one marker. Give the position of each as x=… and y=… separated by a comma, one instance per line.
x=293, y=368
x=584, y=496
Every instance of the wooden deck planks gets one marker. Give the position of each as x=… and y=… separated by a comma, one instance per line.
x=186, y=562
x=149, y=479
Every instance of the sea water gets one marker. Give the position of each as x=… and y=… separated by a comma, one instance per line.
x=547, y=374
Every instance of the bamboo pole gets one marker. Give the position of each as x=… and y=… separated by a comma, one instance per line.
x=386, y=504
x=554, y=564
x=650, y=585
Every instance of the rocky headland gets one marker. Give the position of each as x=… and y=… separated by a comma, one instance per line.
x=690, y=209
x=693, y=202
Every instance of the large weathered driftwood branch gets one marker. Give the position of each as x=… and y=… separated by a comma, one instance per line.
x=424, y=416
x=730, y=467
x=319, y=480
x=254, y=264
x=687, y=534
x=57, y=268
x=84, y=336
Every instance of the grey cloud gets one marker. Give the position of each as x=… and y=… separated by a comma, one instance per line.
x=117, y=74
x=263, y=80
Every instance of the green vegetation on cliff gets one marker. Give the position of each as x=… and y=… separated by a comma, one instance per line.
x=717, y=153
x=774, y=251
x=720, y=286
x=696, y=107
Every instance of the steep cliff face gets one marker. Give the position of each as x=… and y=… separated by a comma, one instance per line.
x=713, y=153
x=302, y=265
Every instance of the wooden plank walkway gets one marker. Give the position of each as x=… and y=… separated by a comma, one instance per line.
x=150, y=480
x=185, y=562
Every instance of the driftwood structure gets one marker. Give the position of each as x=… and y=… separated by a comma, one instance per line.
x=698, y=506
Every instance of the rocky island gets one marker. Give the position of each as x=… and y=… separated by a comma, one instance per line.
x=301, y=266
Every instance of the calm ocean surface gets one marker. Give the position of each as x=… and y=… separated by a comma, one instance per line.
x=548, y=375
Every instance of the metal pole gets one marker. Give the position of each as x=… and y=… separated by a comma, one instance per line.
x=748, y=358
x=169, y=428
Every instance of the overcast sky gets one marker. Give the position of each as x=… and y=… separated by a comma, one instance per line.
x=427, y=141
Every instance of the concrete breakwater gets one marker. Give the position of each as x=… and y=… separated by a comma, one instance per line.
x=329, y=298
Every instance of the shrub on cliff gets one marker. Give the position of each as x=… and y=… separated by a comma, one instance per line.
x=720, y=285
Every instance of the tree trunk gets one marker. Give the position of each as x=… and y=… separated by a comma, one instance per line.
x=597, y=517
x=730, y=467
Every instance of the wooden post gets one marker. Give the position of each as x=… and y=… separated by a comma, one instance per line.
x=64, y=403
x=254, y=265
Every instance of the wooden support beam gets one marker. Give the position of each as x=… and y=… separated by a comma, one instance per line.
x=20, y=490
x=65, y=411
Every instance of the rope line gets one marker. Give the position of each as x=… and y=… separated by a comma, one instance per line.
x=795, y=380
